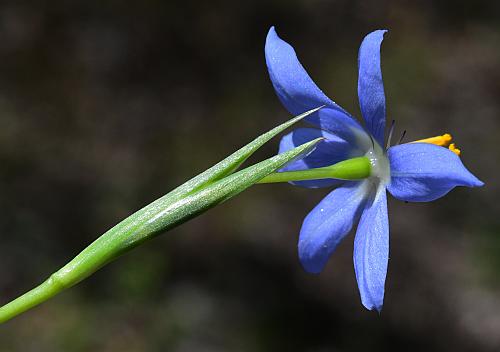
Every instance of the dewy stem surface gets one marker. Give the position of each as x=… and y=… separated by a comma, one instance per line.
x=351, y=169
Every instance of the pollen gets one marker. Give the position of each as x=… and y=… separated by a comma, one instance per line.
x=454, y=149
x=442, y=141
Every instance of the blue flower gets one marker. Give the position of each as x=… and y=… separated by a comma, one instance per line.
x=418, y=172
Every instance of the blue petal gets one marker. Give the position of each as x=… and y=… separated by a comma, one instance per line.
x=330, y=151
x=339, y=124
x=371, y=251
x=327, y=224
x=370, y=85
x=299, y=93
x=421, y=172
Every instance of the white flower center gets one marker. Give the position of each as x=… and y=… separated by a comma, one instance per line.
x=381, y=169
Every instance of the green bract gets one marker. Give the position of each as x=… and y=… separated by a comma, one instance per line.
x=197, y=195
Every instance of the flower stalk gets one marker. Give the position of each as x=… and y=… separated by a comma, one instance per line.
x=352, y=169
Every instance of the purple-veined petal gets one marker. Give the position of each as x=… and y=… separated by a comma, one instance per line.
x=421, y=172
x=298, y=92
x=327, y=224
x=330, y=151
x=371, y=251
x=371, y=86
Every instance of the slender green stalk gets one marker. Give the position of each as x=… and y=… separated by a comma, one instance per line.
x=351, y=169
x=48, y=289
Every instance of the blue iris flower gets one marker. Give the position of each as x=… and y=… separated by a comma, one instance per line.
x=416, y=172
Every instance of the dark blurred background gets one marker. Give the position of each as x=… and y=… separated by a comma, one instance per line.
x=107, y=105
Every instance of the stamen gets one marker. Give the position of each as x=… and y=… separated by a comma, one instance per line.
x=373, y=142
x=454, y=149
x=402, y=136
x=391, y=130
x=442, y=141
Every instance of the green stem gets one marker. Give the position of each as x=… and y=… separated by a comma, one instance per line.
x=351, y=169
x=39, y=294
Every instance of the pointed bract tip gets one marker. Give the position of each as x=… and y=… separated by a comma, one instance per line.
x=307, y=113
x=314, y=110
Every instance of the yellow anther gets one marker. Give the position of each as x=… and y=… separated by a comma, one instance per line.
x=442, y=141
x=453, y=149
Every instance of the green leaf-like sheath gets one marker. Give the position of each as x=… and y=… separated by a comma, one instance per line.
x=197, y=195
